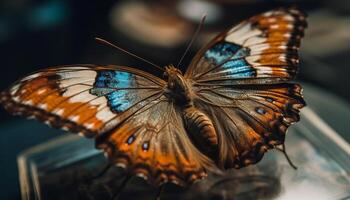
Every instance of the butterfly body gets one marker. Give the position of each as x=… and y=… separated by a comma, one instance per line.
x=198, y=125
x=234, y=103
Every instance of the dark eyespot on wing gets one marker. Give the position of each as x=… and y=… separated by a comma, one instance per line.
x=131, y=139
x=260, y=110
x=145, y=146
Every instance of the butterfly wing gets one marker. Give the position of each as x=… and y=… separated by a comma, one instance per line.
x=239, y=81
x=250, y=119
x=123, y=108
x=261, y=50
x=153, y=144
x=84, y=99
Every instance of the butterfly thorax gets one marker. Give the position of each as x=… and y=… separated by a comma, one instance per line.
x=178, y=88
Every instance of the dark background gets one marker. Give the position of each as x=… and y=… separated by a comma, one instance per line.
x=45, y=33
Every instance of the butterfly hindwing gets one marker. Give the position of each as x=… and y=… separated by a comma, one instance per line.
x=87, y=99
x=261, y=50
x=153, y=144
x=250, y=119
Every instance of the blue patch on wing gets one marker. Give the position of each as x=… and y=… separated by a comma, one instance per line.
x=237, y=69
x=230, y=57
x=113, y=85
x=221, y=52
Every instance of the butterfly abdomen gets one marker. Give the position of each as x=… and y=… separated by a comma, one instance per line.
x=200, y=128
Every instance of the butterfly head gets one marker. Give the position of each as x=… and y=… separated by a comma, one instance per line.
x=170, y=70
x=177, y=84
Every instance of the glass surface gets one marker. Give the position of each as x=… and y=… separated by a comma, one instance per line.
x=64, y=168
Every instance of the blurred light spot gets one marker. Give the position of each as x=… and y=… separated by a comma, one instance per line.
x=137, y=21
x=194, y=10
x=47, y=15
x=36, y=18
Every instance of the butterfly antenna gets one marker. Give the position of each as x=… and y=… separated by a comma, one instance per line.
x=105, y=42
x=283, y=150
x=193, y=38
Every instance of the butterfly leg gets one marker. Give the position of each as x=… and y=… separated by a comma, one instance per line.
x=283, y=150
x=121, y=187
x=89, y=181
x=101, y=173
x=159, y=192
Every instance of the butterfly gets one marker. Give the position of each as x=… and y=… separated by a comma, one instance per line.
x=233, y=104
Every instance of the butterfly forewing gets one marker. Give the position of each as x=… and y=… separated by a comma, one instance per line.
x=261, y=50
x=239, y=81
x=82, y=98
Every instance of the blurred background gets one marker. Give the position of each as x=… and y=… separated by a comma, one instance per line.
x=36, y=34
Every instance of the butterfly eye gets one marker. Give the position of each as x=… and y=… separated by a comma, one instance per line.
x=165, y=75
